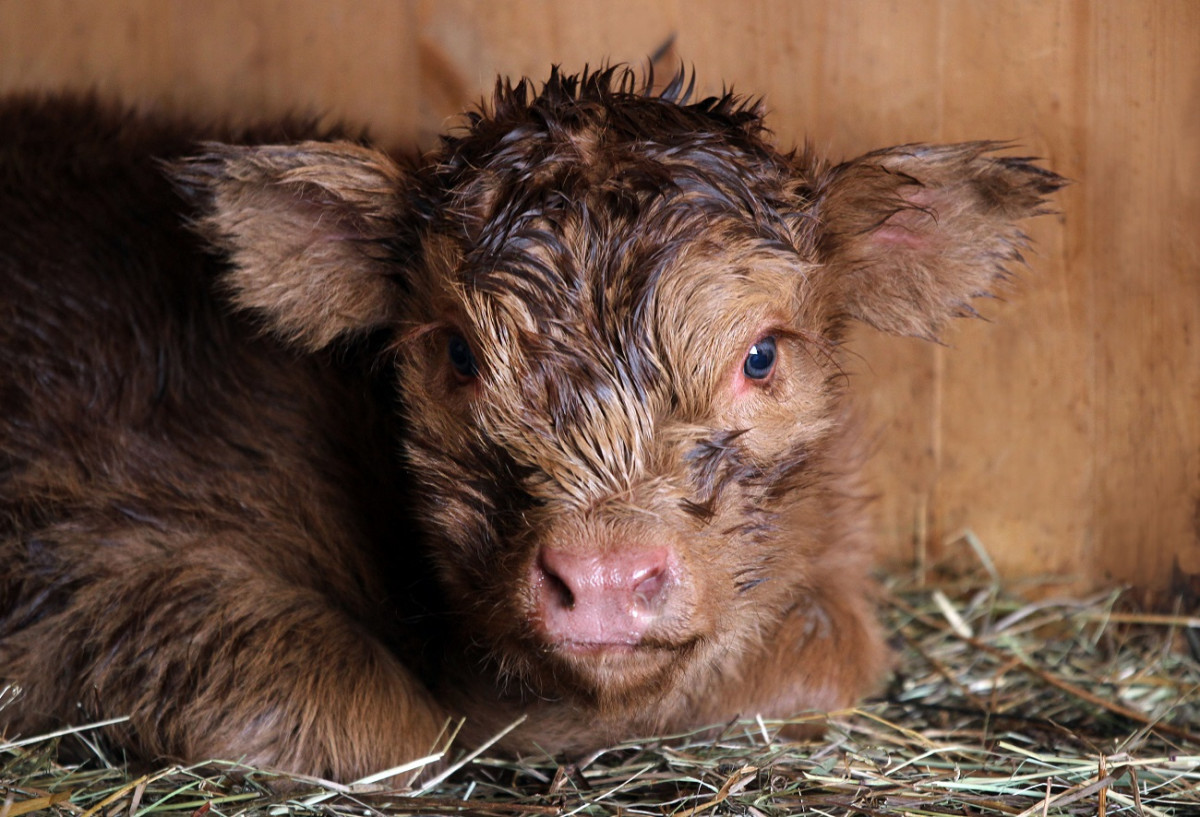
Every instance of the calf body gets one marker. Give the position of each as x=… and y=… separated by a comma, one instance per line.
x=548, y=423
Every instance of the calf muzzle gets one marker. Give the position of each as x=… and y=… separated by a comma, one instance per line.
x=600, y=602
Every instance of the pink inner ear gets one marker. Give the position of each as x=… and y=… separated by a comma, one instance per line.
x=911, y=226
x=894, y=235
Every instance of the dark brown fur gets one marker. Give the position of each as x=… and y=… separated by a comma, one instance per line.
x=233, y=536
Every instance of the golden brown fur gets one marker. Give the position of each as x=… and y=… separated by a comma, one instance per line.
x=504, y=447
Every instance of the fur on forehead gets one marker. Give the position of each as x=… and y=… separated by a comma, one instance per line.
x=594, y=147
x=569, y=208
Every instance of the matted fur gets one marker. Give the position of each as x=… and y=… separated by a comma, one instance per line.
x=300, y=502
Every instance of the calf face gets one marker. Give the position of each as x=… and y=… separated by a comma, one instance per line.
x=613, y=322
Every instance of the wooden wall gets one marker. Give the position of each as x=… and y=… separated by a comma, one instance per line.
x=1065, y=432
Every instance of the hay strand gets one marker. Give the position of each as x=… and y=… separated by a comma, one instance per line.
x=1000, y=706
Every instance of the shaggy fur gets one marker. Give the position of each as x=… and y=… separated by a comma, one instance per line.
x=477, y=434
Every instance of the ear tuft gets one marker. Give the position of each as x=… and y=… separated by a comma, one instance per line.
x=909, y=235
x=304, y=227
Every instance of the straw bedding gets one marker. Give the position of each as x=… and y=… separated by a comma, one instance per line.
x=999, y=706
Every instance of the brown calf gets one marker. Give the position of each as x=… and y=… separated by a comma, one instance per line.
x=548, y=422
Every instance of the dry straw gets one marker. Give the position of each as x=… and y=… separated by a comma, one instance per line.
x=998, y=707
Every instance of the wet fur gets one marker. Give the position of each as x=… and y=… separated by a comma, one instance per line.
x=246, y=500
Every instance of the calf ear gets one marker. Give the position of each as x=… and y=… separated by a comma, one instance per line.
x=304, y=226
x=908, y=235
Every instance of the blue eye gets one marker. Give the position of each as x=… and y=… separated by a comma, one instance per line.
x=760, y=360
x=462, y=358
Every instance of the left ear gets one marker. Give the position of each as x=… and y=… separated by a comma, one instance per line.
x=908, y=235
x=304, y=227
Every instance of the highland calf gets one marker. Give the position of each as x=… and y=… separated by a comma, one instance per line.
x=304, y=449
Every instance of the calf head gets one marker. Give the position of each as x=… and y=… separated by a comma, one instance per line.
x=617, y=318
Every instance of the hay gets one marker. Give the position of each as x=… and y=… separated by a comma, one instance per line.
x=999, y=707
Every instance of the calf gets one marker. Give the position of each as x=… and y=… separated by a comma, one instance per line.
x=549, y=422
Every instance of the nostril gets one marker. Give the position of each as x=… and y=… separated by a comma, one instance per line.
x=649, y=587
x=555, y=588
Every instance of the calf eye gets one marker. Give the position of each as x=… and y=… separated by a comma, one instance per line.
x=462, y=358
x=760, y=360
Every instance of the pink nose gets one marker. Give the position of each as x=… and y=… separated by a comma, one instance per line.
x=589, y=600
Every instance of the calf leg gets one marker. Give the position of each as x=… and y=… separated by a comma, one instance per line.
x=209, y=654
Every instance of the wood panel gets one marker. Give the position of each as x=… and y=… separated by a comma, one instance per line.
x=1015, y=460
x=1064, y=431
x=1141, y=238
x=222, y=58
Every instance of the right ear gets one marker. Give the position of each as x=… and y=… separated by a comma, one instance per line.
x=907, y=236
x=305, y=227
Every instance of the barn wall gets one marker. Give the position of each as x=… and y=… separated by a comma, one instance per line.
x=1064, y=431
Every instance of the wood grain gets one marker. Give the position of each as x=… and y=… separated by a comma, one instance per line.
x=1064, y=431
